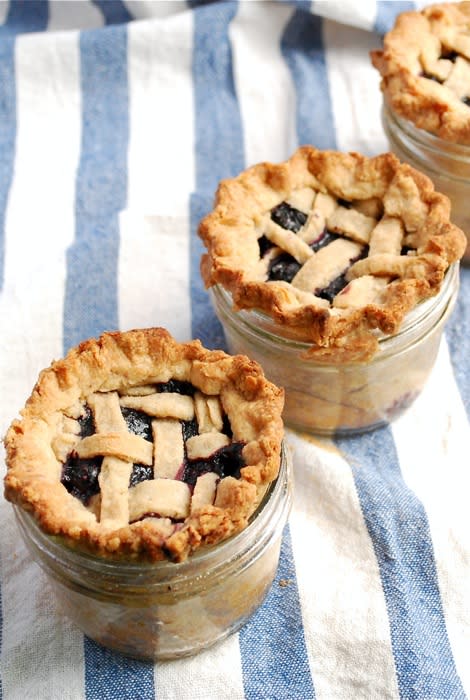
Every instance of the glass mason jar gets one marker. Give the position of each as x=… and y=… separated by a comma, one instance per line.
x=164, y=610
x=343, y=399
x=447, y=164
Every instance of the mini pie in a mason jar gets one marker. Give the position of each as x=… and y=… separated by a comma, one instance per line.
x=425, y=79
x=324, y=257
x=139, y=464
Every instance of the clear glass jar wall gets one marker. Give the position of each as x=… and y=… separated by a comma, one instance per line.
x=165, y=610
x=343, y=399
x=446, y=163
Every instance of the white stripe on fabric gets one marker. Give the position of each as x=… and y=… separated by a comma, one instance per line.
x=267, y=113
x=73, y=14
x=354, y=88
x=433, y=450
x=154, y=259
x=154, y=275
x=357, y=14
x=214, y=674
x=42, y=654
x=161, y=170
x=39, y=220
x=346, y=626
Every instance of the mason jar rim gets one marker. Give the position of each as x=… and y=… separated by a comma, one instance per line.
x=418, y=314
x=426, y=139
x=65, y=560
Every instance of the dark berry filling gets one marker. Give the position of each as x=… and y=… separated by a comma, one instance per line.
x=190, y=428
x=324, y=239
x=288, y=217
x=175, y=386
x=80, y=477
x=450, y=55
x=264, y=245
x=227, y=428
x=225, y=462
x=333, y=288
x=138, y=423
x=86, y=423
x=330, y=291
x=140, y=472
x=283, y=268
x=429, y=76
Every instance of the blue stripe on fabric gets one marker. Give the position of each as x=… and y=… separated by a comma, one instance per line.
x=90, y=305
x=218, y=142
x=458, y=338
x=21, y=18
x=399, y=530
x=396, y=520
x=303, y=51
x=387, y=12
x=109, y=675
x=220, y=154
x=114, y=11
x=91, y=287
x=276, y=629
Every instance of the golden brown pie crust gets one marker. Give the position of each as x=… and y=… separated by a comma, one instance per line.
x=417, y=45
x=117, y=362
x=401, y=195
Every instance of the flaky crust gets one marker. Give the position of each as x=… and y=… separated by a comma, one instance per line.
x=417, y=39
x=121, y=360
x=230, y=235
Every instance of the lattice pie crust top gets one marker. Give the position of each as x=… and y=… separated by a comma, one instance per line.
x=335, y=247
x=425, y=69
x=140, y=446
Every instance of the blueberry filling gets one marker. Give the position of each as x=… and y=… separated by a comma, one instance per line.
x=227, y=428
x=264, y=245
x=331, y=290
x=324, y=239
x=175, y=386
x=190, y=428
x=140, y=472
x=86, y=423
x=288, y=217
x=429, y=76
x=80, y=476
x=450, y=55
x=225, y=462
x=138, y=423
x=283, y=268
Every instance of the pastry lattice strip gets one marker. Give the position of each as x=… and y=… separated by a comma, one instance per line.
x=357, y=227
x=165, y=495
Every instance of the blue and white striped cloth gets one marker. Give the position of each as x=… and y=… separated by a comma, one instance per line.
x=117, y=120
